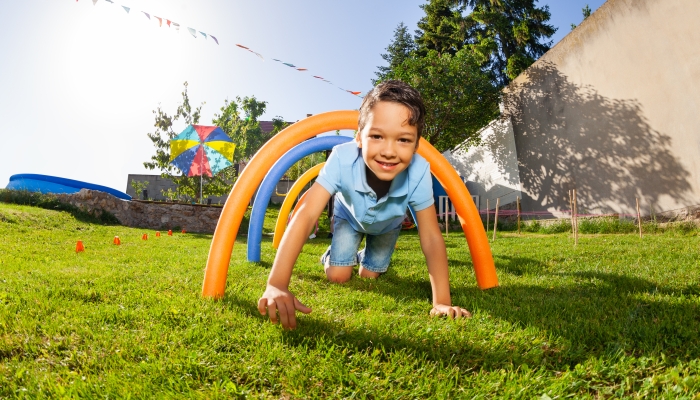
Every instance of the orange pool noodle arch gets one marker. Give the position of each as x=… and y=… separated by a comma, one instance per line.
x=214, y=284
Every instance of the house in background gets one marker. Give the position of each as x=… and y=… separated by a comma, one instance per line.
x=613, y=111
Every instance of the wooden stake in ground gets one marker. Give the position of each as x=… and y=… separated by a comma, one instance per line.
x=517, y=201
x=495, y=218
x=575, y=218
x=487, y=215
x=571, y=207
x=639, y=217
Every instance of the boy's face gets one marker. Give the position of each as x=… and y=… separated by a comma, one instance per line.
x=387, y=140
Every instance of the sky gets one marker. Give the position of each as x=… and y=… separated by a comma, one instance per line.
x=79, y=82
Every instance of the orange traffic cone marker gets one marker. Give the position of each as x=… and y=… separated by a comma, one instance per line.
x=157, y=234
x=170, y=232
x=145, y=236
x=117, y=241
x=79, y=246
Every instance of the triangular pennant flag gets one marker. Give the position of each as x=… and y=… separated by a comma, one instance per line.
x=126, y=9
x=241, y=46
x=94, y=2
x=212, y=36
x=355, y=93
x=259, y=55
x=192, y=32
x=167, y=21
x=160, y=21
x=290, y=65
x=147, y=15
x=203, y=34
x=317, y=77
x=302, y=69
x=177, y=26
x=274, y=59
x=110, y=1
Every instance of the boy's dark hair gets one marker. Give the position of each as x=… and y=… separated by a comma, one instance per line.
x=397, y=92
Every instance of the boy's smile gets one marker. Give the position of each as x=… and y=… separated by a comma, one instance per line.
x=387, y=140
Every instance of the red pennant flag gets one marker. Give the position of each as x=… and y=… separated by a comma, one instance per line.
x=355, y=93
x=241, y=46
x=302, y=69
x=167, y=21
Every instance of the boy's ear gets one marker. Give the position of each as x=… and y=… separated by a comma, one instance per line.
x=358, y=139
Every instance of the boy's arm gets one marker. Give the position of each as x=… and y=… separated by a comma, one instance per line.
x=277, y=297
x=433, y=246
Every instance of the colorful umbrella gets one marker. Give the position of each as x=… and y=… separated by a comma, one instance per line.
x=201, y=150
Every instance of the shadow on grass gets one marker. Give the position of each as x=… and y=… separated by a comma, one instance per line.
x=581, y=315
x=592, y=315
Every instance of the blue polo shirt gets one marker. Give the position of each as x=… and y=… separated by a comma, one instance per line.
x=344, y=176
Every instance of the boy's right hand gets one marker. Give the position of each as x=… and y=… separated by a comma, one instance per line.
x=276, y=300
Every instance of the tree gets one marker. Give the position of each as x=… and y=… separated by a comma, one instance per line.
x=188, y=187
x=400, y=48
x=459, y=96
x=586, y=11
x=245, y=132
x=442, y=28
x=508, y=35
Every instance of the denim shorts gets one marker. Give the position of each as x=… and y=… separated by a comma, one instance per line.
x=374, y=257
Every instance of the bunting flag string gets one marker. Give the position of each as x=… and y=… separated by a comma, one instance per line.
x=194, y=31
x=160, y=21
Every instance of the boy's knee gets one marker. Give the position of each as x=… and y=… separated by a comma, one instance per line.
x=338, y=274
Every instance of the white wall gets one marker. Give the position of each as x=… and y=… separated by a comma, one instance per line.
x=491, y=169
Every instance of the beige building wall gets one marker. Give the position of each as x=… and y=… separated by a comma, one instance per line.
x=613, y=110
x=490, y=169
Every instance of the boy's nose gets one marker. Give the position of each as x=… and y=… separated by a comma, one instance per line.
x=388, y=150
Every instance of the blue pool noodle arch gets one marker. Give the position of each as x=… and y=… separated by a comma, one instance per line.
x=257, y=215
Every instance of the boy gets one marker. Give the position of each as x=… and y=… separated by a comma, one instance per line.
x=374, y=179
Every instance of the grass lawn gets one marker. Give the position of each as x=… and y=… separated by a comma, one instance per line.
x=617, y=316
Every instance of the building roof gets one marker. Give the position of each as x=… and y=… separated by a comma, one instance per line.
x=268, y=126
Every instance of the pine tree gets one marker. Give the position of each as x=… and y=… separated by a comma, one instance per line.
x=508, y=35
x=400, y=48
x=442, y=28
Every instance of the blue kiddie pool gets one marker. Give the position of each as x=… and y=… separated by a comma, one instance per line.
x=56, y=185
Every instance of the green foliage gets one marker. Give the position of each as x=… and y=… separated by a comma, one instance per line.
x=614, y=317
x=303, y=165
x=441, y=29
x=239, y=119
x=586, y=11
x=507, y=35
x=138, y=186
x=459, y=97
x=244, y=131
x=401, y=48
x=188, y=187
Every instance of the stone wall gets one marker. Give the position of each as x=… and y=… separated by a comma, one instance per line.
x=141, y=214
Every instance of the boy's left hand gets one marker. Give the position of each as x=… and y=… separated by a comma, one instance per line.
x=450, y=311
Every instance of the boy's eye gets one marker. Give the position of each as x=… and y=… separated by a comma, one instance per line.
x=375, y=137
